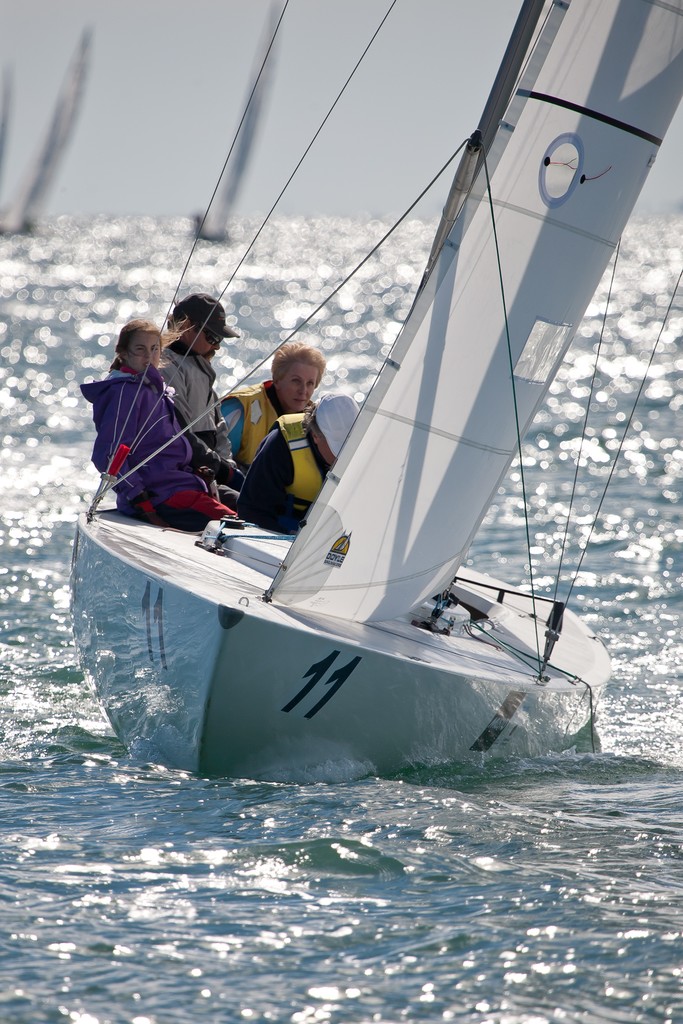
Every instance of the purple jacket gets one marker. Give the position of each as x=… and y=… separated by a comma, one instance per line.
x=140, y=415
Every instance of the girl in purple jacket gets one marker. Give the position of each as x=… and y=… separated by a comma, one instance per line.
x=133, y=406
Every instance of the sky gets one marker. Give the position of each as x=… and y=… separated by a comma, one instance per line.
x=168, y=82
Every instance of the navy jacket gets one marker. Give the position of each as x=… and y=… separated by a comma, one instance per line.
x=263, y=499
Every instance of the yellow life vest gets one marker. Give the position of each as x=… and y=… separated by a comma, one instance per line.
x=259, y=416
x=308, y=479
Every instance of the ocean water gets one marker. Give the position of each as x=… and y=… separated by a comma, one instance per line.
x=545, y=890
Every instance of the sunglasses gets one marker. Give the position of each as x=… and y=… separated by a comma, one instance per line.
x=212, y=337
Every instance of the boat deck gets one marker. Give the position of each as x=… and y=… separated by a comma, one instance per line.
x=503, y=645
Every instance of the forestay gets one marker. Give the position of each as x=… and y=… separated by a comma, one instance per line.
x=438, y=432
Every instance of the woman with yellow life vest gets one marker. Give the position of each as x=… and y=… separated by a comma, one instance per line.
x=250, y=412
x=291, y=464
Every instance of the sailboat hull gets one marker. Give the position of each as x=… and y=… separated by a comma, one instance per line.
x=196, y=670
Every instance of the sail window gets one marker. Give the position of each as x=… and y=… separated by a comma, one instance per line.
x=561, y=169
x=544, y=347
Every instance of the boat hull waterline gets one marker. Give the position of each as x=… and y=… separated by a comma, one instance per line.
x=196, y=670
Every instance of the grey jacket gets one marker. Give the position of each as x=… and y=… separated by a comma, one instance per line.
x=192, y=378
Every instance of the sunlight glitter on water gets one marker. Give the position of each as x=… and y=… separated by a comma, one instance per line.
x=481, y=892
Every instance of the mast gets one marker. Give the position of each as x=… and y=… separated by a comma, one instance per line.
x=480, y=140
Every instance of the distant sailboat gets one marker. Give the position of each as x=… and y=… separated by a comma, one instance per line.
x=213, y=227
x=4, y=116
x=29, y=202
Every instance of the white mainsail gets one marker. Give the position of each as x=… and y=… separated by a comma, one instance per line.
x=439, y=430
x=215, y=223
x=33, y=192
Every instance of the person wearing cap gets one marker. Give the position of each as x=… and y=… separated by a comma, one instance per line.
x=186, y=367
x=292, y=462
x=251, y=411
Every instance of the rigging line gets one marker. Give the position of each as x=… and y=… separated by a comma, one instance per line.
x=626, y=429
x=279, y=197
x=585, y=421
x=171, y=336
x=118, y=434
x=308, y=148
x=227, y=159
x=328, y=298
x=303, y=323
x=514, y=399
x=162, y=447
x=378, y=244
x=525, y=657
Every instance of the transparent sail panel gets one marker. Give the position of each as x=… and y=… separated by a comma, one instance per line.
x=543, y=350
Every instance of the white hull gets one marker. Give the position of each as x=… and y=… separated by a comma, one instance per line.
x=187, y=658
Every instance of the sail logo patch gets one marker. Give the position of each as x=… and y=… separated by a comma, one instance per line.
x=339, y=550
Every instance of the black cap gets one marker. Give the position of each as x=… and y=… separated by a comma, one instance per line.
x=204, y=311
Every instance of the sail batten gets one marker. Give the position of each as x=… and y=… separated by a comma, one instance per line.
x=543, y=97
x=494, y=317
x=430, y=428
x=561, y=225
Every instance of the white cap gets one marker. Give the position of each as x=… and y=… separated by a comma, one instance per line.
x=335, y=414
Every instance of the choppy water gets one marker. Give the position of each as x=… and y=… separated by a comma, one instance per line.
x=544, y=890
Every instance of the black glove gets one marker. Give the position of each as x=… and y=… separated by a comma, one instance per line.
x=143, y=502
x=229, y=475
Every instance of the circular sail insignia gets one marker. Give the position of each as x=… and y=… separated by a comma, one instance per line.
x=561, y=169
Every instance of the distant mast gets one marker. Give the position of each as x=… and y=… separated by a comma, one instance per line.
x=4, y=117
x=214, y=226
x=30, y=201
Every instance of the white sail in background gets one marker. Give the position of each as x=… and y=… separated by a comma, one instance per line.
x=439, y=431
x=35, y=185
x=4, y=118
x=214, y=226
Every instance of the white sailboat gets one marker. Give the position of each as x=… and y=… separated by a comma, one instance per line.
x=214, y=225
x=365, y=637
x=29, y=202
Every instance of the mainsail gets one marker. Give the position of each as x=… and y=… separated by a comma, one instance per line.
x=439, y=430
x=32, y=195
x=215, y=223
